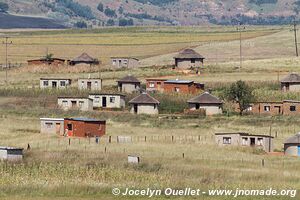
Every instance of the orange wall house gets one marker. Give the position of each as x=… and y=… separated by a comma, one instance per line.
x=82, y=127
x=183, y=86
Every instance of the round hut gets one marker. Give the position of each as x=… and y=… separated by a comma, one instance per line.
x=292, y=145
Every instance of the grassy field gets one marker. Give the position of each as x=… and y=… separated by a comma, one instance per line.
x=84, y=170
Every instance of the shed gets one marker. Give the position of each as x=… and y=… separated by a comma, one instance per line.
x=11, y=153
x=144, y=104
x=292, y=145
x=182, y=86
x=60, y=83
x=126, y=62
x=84, y=127
x=81, y=103
x=291, y=82
x=90, y=84
x=264, y=142
x=84, y=58
x=188, y=58
x=211, y=104
x=129, y=84
x=108, y=100
x=52, y=126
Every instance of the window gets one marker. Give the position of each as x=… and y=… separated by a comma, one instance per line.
x=70, y=127
x=114, y=62
x=81, y=103
x=244, y=141
x=82, y=83
x=151, y=85
x=125, y=62
x=96, y=83
x=112, y=99
x=176, y=89
x=63, y=83
x=193, y=61
x=267, y=108
x=97, y=99
x=46, y=83
x=249, y=108
x=292, y=108
x=260, y=141
x=226, y=140
x=49, y=125
x=65, y=103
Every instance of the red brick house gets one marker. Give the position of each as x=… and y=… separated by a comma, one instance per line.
x=183, y=86
x=83, y=127
x=155, y=84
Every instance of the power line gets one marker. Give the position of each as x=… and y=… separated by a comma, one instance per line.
x=6, y=42
x=295, y=34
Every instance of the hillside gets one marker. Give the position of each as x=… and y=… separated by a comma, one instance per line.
x=96, y=13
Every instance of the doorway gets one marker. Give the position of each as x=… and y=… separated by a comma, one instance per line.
x=54, y=84
x=73, y=104
x=89, y=85
x=135, y=108
x=104, y=102
x=252, y=141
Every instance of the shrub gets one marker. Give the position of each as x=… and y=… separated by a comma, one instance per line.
x=110, y=12
x=80, y=24
x=3, y=7
x=100, y=7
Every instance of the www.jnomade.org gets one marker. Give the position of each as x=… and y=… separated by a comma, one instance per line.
x=197, y=192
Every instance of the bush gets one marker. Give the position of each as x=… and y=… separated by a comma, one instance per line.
x=3, y=7
x=100, y=7
x=125, y=22
x=110, y=12
x=80, y=24
x=77, y=9
x=110, y=22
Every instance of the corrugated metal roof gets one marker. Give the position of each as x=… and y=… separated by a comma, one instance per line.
x=179, y=81
x=10, y=148
x=84, y=119
x=52, y=119
x=244, y=134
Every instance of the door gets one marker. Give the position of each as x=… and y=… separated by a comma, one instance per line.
x=252, y=141
x=104, y=102
x=57, y=128
x=54, y=84
x=298, y=150
x=89, y=85
x=197, y=106
x=135, y=108
x=158, y=86
x=70, y=129
x=73, y=104
x=277, y=109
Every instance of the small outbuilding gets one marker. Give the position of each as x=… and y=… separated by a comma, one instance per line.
x=291, y=82
x=90, y=84
x=84, y=58
x=52, y=126
x=188, y=58
x=144, y=104
x=60, y=83
x=263, y=142
x=106, y=100
x=124, y=62
x=292, y=145
x=129, y=84
x=84, y=127
x=11, y=153
x=207, y=102
x=80, y=103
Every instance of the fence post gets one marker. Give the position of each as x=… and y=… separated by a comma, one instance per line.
x=109, y=139
x=263, y=162
x=145, y=138
x=172, y=138
x=182, y=155
x=69, y=141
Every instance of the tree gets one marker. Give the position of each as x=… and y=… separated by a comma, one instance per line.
x=125, y=22
x=110, y=22
x=241, y=94
x=110, y=12
x=100, y=7
x=49, y=56
x=3, y=7
x=80, y=24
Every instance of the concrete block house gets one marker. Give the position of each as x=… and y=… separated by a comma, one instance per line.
x=80, y=103
x=263, y=142
x=292, y=145
x=92, y=84
x=84, y=127
x=129, y=84
x=144, y=104
x=11, y=154
x=291, y=82
x=155, y=84
x=60, y=83
x=182, y=86
x=124, y=62
x=210, y=104
x=52, y=126
x=188, y=58
x=105, y=100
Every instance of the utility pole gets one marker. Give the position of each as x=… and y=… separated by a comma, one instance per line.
x=240, y=29
x=6, y=42
x=296, y=42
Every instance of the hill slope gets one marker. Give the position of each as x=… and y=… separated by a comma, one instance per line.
x=157, y=12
